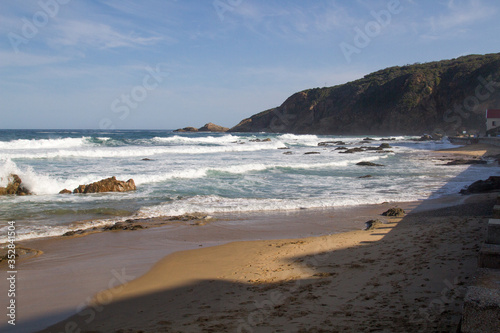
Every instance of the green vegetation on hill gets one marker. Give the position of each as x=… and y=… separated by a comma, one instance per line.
x=447, y=96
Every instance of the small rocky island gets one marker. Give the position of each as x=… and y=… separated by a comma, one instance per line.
x=210, y=127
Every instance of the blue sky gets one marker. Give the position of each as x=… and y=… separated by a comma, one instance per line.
x=164, y=64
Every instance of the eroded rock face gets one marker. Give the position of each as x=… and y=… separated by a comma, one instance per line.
x=14, y=187
x=107, y=185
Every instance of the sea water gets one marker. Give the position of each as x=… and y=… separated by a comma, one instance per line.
x=179, y=173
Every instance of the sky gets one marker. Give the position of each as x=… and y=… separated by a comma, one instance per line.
x=166, y=64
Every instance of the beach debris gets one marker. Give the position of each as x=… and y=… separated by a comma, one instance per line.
x=394, y=212
x=107, y=185
x=365, y=163
x=480, y=186
x=14, y=187
x=371, y=224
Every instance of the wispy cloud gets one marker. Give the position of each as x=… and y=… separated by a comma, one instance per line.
x=458, y=16
x=10, y=59
x=98, y=35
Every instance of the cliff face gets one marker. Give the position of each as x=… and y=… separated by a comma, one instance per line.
x=447, y=96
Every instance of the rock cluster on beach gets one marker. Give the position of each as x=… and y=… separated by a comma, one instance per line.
x=210, y=127
x=395, y=212
x=481, y=186
x=14, y=187
x=106, y=185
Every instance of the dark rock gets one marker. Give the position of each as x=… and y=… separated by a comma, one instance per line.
x=65, y=191
x=364, y=163
x=395, y=212
x=465, y=162
x=352, y=150
x=371, y=224
x=341, y=148
x=146, y=159
x=107, y=185
x=260, y=140
x=14, y=187
x=287, y=153
x=187, y=129
x=425, y=137
x=368, y=139
x=74, y=232
x=488, y=185
x=284, y=148
x=366, y=176
x=210, y=127
x=329, y=143
x=311, y=153
x=385, y=146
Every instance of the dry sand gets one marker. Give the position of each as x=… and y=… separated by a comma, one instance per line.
x=476, y=150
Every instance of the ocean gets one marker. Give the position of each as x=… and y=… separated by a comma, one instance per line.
x=178, y=173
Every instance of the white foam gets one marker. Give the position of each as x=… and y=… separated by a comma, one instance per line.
x=44, y=143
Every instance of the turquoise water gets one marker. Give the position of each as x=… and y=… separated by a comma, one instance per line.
x=205, y=172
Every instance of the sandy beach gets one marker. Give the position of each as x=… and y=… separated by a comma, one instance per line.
x=407, y=274
x=321, y=273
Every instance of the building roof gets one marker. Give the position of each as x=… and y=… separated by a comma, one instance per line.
x=492, y=113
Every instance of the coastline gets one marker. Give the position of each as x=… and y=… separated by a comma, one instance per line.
x=108, y=256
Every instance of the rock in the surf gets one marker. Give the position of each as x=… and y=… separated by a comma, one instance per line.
x=365, y=163
x=14, y=186
x=107, y=185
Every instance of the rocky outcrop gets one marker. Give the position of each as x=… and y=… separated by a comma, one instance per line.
x=210, y=127
x=488, y=185
x=14, y=187
x=405, y=100
x=107, y=185
x=187, y=129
